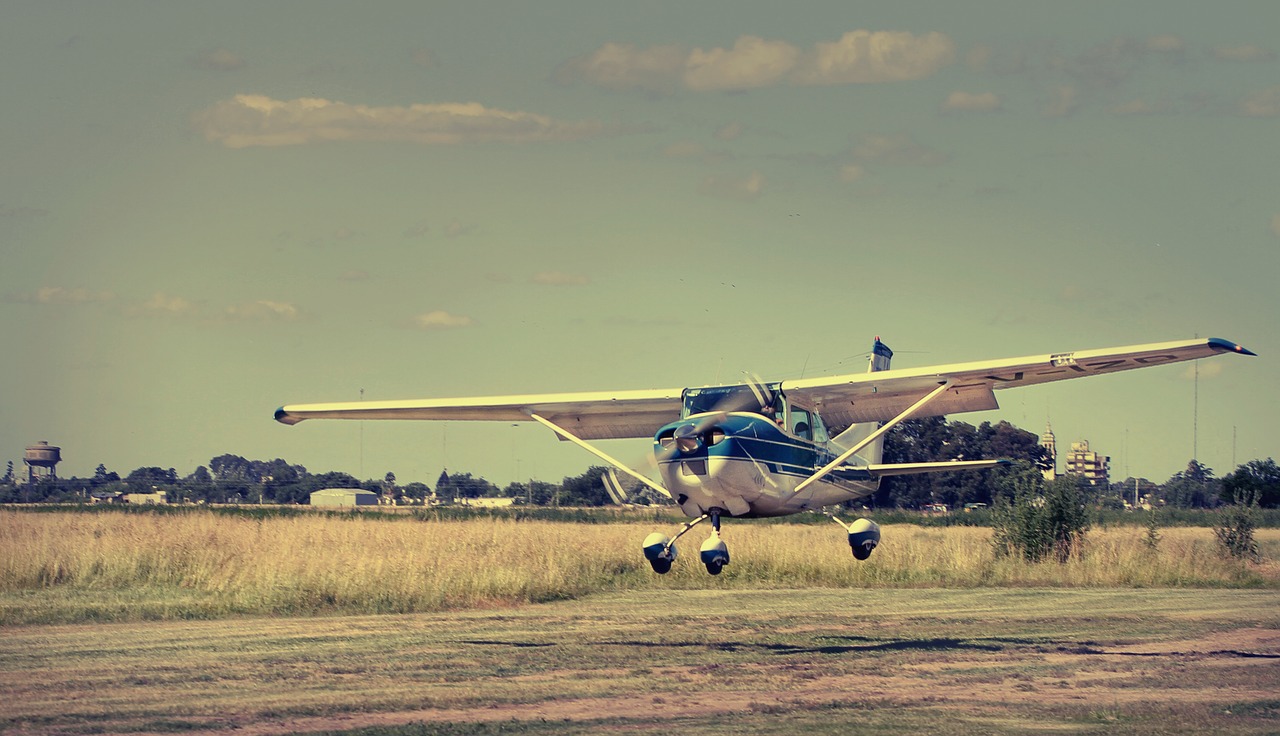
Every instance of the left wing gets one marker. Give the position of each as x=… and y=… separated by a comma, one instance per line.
x=592, y=416
x=883, y=395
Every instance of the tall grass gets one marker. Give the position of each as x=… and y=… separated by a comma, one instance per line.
x=77, y=566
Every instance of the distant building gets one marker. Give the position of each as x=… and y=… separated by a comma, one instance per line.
x=342, y=497
x=1094, y=467
x=1049, y=443
x=145, y=498
x=486, y=502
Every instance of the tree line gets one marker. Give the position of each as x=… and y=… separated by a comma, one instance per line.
x=231, y=478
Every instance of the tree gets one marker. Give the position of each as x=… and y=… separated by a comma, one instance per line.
x=1194, y=487
x=1261, y=478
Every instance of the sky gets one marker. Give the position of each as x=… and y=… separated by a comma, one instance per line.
x=209, y=210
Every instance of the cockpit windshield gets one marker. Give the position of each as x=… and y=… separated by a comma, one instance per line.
x=726, y=398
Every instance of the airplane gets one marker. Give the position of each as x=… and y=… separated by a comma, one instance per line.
x=761, y=449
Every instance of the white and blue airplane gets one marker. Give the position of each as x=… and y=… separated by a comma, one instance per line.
x=772, y=449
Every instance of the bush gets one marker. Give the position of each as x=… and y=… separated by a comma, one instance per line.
x=1035, y=527
x=1236, y=525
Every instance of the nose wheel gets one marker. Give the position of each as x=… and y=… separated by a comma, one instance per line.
x=661, y=551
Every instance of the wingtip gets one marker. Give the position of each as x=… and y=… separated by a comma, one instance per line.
x=1229, y=347
x=285, y=417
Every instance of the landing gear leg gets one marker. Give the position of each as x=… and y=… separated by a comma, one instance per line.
x=714, y=553
x=661, y=552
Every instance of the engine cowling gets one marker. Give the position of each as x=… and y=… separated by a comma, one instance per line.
x=864, y=535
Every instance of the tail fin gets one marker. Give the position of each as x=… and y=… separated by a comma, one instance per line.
x=873, y=453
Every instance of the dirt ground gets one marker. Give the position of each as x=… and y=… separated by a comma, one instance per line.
x=748, y=662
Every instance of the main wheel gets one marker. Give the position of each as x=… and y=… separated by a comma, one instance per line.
x=661, y=565
x=715, y=567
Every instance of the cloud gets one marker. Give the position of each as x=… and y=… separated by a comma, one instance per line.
x=851, y=172
x=624, y=67
x=867, y=57
x=752, y=62
x=456, y=229
x=1139, y=106
x=61, y=295
x=729, y=132
x=741, y=188
x=559, y=278
x=897, y=150
x=416, y=231
x=1244, y=53
x=217, y=60
x=423, y=57
x=692, y=150
x=1275, y=225
x=354, y=275
x=258, y=120
x=1063, y=102
x=162, y=305
x=1262, y=104
x=441, y=320
x=1166, y=44
x=263, y=310
x=970, y=102
x=858, y=57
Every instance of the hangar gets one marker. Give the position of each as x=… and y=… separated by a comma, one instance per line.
x=344, y=497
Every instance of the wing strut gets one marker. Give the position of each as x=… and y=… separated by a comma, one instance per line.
x=598, y=453
x=831, y=466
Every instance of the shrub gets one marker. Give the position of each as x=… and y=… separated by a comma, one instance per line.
x=1035, y=527
x=1236, y=525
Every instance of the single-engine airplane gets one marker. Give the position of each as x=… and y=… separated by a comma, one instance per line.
x=772, y=449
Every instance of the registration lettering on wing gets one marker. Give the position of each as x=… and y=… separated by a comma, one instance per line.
x=1062, y=360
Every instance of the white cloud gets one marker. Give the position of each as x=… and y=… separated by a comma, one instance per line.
x=218, y=60
x=971, y=102
x=897, y=150
x=623, y=67
x=866, y=57
x=1139, y=106
x=1063, y=102
x=441, y=320
x=742, y=188
x=752, y=62
x=851, y=172
x=858, y=57
x=1166, y=44
x=258, y=120
x=62, y=295
x=264, y=310
x=1244, y=53
x=456, y=229
x=423, y=57
x=1275, y=225
x=559, y=278
x=162, y=305
x=729, y=132
x=1262, y=104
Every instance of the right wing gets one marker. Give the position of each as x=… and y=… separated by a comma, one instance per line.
x=880, y=396
x=593, y=416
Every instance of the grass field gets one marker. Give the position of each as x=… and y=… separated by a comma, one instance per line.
x=279, y=623
x=69, y=567
x=676, y=661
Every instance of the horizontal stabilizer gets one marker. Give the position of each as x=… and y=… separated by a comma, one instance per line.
x=887, y=469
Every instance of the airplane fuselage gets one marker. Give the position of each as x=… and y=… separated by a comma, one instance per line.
x=744, y=464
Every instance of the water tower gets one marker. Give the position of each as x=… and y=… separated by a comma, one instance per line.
x=42, y=461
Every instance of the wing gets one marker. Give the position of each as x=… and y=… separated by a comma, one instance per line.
x=880, y=396
x=603, y=415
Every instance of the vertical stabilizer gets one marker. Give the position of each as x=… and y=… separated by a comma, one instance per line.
x=873, y=453
x=880, y=357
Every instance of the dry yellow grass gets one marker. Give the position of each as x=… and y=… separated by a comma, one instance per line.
x=76, y=566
